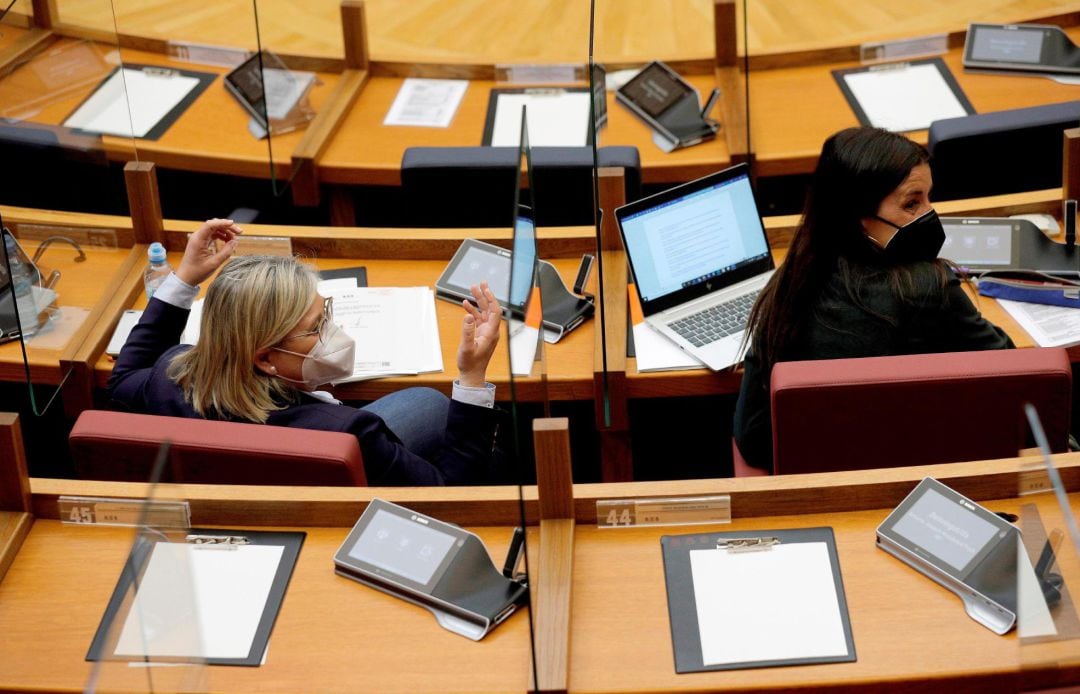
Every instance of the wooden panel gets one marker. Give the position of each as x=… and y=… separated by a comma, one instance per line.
x=27, y=43
x=725, y=32
x=14, y=478
x=319, y=133
x=1070, y=175
x=554, y=476
x=14, y=527
x=144, y=202
x=355, y=34
x=552, y=604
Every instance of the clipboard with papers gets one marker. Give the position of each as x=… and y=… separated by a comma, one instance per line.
x=140, y=101
x=558, y=117
x=211, y=597
x=760, y=598
x=902, y=97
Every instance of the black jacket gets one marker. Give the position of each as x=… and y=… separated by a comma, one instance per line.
x=869, y=321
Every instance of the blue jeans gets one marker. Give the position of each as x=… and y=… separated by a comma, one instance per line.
x=417, y=416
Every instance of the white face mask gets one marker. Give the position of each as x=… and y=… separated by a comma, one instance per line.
x=331, y=359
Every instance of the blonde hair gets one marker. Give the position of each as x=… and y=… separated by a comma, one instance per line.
x=254, y=303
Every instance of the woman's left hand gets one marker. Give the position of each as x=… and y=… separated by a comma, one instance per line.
x=201, y=257
x=479, y=335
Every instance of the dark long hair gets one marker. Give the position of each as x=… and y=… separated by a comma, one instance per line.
x=857, y=169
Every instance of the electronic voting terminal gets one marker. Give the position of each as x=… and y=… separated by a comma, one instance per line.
x=959, y=544
x=432, y=564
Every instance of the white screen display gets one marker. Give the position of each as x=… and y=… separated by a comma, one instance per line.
x=945, y=529
x=1007, y=45
x=402, y=546
x=693, y=238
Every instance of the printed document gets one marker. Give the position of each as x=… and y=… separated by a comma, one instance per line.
x=423, y=102
x=786, y=605
x=395, y=329
x=1049, y=326
x=904, y=98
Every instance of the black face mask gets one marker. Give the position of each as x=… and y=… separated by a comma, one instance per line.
x=920, y=239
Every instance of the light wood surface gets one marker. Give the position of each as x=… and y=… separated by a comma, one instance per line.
x=548, y=31
x=366, y=151
x=793, y=110
x=210, y=136
x=335, y=635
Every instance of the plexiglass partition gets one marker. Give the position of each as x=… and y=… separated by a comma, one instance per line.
x=674, y=76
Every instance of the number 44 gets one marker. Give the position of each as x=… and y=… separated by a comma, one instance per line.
x=617, y=517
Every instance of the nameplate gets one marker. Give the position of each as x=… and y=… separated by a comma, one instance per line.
x=691, y=510
x=83, y=236
x=264, y=245
x=1033, y=479
x=206, y=54
x=90, y=510
x=540, y=74
x=936, y=44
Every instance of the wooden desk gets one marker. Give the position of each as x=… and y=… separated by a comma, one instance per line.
x=334, y=635
x=569, y=363
x=83, y=289
x=793, y=110
x=210, y=136
x=366, y=151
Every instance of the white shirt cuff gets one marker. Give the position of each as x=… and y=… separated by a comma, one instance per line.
x=482, y=397
x=176, y=292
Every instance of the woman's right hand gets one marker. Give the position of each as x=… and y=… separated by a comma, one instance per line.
x=201, y=257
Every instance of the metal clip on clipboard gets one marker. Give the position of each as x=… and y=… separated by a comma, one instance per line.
x=747, y=544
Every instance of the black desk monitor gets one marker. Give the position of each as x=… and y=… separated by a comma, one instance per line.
x=1023, y=47
x=983, y=244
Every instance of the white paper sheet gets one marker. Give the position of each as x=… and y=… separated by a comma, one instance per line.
x=523, y=345
x=775, y=604
x=654, y=352
x=395, y=329
x=131, y=102
x=199, y=601
x=1049, y=326
x=557, y=118
x=424, y=102
x=191, y=330
x=1032, y=614
x=904, y=98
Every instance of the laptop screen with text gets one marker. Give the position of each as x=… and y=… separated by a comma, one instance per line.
x=699, y=234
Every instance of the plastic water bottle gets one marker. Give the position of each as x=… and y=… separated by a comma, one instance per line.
x=157, y=270
x=22, y=281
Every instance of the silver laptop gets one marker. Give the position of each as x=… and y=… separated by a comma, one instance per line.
x=699, y=256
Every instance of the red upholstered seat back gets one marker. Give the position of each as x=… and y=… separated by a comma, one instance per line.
x=121, y=446
x=853, y=414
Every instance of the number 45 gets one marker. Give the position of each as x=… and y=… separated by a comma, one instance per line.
x=81, y=514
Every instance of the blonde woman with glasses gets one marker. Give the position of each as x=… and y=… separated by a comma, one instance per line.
x=267, y=341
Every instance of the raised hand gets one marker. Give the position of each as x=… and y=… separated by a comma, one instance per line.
x=201, y=256
x=479, y=335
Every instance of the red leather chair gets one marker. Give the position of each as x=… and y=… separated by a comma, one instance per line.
x=854, y=414
x=121, y=446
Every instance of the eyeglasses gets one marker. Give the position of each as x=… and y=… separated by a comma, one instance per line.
x=326, y=319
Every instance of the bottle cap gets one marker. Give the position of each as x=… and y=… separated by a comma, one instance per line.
x=156, y=253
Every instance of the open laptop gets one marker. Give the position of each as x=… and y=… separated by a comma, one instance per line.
x=699, y=256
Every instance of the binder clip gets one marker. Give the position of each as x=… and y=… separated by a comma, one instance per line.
x=746, y=544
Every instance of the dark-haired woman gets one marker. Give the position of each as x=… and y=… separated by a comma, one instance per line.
x=861, y=277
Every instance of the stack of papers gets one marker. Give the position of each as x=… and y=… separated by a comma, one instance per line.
x=395, y=328
x=1049, y=326
x=653, y=351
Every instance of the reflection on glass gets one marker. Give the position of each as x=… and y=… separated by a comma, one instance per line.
x=1048, y=567
x=153, y=616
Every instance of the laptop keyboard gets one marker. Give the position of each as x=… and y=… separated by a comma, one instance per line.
x=716, y=322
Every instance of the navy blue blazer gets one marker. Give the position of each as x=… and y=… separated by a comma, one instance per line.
x=139, y=382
